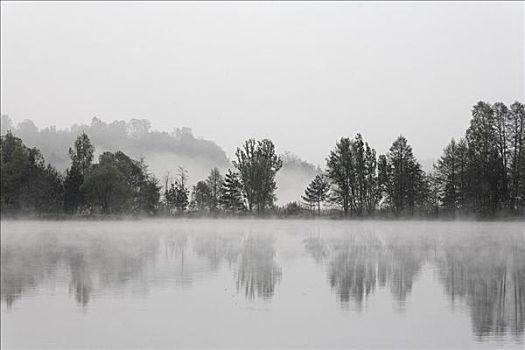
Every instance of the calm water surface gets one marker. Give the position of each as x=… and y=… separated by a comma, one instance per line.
x=262, y=283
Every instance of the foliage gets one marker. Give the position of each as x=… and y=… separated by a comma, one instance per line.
x=231, y=193
x=402, y=180
x=27, y=184
x=105, y=187
x=316, y=192
x=81, y=158
x=200, y=196
x=484, y=173
x=214, y=182
x=257, y=164
x=351, y=168
x=481, y=174
x=177, y=196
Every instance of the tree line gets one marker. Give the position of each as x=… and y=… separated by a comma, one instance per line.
x=482, y=174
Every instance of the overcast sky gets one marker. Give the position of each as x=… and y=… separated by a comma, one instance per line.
x=302, y=74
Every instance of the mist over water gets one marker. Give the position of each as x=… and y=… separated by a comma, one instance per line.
x=262, y=283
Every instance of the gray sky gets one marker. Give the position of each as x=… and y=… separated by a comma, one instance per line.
x=302, y=74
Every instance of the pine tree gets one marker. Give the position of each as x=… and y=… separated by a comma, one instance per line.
x=200, y=196
x=402, y=179
x=316, y=192
x=231, y=193
x=447, y=177
x=81, y=159
x=214, y=183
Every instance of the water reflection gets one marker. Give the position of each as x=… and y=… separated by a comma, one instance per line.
x=359, y=263
x=218, y=249
x=480, y=270
x=484, y=271
x=257, y=272
x=92, y=262
x=25, y=267
x=487, y=274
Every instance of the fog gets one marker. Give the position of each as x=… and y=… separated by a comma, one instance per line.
x=262, y=283
x=163, y=152
x=302, y=74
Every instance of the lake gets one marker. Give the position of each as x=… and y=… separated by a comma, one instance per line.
x=262, y=283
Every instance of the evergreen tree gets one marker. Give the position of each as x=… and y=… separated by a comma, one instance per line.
x=200, y=196
x=214, y=183
x=447, y=169
x=81, y=158
x=316, y=192
x=371, y=191
x=402, y=179
x=340, y=171
x=231, y=193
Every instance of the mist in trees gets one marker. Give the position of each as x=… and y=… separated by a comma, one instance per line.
x=480, y=175
x=27, y=183
x=176, y=195
x=135, y=137
x=116, y=185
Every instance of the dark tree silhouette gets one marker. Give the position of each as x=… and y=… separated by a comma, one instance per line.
x=231, y=193
x=257, y=164
x=317, y=192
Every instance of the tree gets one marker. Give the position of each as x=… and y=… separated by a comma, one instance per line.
x=501, y=117
x=516, y=148
x=105, y=187
x=81, y=158
x=15, y=159
x=177, y=195
x=401, y=177
x=340, y=171
x=231, y=193
x=371, y=191
x=82, y=154
x=200, y=196
x=447, y=178
x=351, y=167
x=214, y=182
x=317, y=192
x=26, y=182
x=485, y=163
x=258, y=164
x=145, y=192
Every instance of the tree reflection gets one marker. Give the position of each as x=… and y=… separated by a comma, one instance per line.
x=488, y=274
x=24, y=267
x=358, y=263
x=352, y=272
x=217, y=249
x=257, y=272
x=484, y=271
x=93, y=263
x=317, y=247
